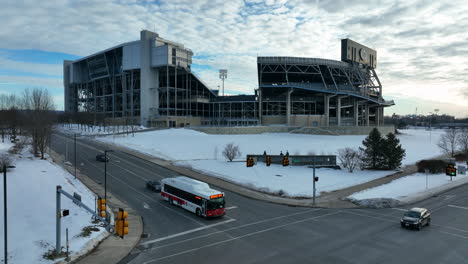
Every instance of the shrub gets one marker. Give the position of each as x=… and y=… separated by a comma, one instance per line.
x=349, y=158
x=231, y=151
x=434, y=166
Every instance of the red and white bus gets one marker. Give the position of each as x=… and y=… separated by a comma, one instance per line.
x=193, y=195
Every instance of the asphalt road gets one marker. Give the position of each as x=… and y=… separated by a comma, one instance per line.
x=260, y=232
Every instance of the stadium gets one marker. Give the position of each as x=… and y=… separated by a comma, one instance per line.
x=150, y=82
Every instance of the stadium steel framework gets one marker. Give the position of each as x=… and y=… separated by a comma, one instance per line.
x=150, y=81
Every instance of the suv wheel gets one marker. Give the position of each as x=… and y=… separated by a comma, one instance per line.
x=419, y=226
x=428, y=222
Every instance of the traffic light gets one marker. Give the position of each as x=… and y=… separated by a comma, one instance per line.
x=101, y=207
x=250, y=162
x=451, y=170
x=285, y=161
x=121, y=224
x=316, y=178
x=66, y=212
x=268, y=160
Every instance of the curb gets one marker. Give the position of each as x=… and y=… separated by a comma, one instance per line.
x=110, y=249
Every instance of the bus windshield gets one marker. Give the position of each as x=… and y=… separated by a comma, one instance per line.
x=215, y=203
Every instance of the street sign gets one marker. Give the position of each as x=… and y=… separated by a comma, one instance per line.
x=77, y=197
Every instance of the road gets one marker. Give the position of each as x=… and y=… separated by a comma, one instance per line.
x=259, y=232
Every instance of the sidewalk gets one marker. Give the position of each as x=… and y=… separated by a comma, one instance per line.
x=112, y=249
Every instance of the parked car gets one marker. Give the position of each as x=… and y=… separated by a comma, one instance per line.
x=416, y=218
x=155, y=186
x=102, y=157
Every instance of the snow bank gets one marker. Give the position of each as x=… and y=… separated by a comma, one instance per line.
x=31, y=209
x=406, y=186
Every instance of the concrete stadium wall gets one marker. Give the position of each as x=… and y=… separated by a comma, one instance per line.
x=271, y=120
x=244, y=130
x=307, y=120
x=344, y=130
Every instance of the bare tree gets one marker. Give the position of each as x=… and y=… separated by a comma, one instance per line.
x=231, y=151
x=38, y=105
x=349, y=158
x=448, y=142
x=463, y=141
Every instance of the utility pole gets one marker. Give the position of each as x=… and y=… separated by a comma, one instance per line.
x=5, y=229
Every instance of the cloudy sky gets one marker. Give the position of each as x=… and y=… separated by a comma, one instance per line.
x=422, y=46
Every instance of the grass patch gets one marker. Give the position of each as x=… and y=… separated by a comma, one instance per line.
x=87, y=230
x=52, y=255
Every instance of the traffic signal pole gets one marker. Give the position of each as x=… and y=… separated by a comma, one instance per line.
x=313, y=199
x=109, y=227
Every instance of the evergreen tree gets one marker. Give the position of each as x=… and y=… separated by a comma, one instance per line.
x=373, y=150
x=393, y=152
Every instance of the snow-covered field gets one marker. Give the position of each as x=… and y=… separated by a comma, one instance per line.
x=31, y=209
x=95, y=130
x=406, y=186
x=203, y=151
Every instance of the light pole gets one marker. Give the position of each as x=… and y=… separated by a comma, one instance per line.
x=5, y=254
x=105, y=173
x=74, y=135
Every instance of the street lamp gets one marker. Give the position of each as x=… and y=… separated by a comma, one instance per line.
x=105, y=173
x=5, y=211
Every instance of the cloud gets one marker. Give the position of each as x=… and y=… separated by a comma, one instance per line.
x=419, y=43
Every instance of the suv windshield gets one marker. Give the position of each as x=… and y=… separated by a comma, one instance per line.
x=413, y=214
x=215, y=203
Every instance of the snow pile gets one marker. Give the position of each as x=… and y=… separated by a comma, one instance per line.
x=202, y=152
x=406, y=186
x=31, y=209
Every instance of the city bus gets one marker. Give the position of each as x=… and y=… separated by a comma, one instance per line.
x=194, y=196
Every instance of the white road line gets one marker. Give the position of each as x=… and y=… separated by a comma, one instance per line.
x=146, y=206
x=400, y=209
x=186, y=232
x=230, y=207
x=225, y=230
x=460, y=236
x=456, y=206
x=239, y=237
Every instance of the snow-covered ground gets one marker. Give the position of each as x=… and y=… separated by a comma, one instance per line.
x=31, y=209
x=406, y=186
x=203, y=152
x=95, y=130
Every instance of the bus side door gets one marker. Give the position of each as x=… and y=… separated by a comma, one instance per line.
x=204, y=207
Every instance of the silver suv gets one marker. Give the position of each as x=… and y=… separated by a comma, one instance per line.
x=416, y=218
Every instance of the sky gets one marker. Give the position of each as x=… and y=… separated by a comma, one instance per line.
x=422, y=46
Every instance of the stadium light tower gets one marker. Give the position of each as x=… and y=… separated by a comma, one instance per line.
x=222, y=76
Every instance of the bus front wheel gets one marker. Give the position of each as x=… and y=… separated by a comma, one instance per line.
x=198, y=212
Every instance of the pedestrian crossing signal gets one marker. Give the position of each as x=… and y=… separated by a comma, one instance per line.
x=250, y=162
x=268, y=160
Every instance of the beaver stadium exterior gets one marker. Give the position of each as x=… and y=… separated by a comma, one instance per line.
x=150, y=81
